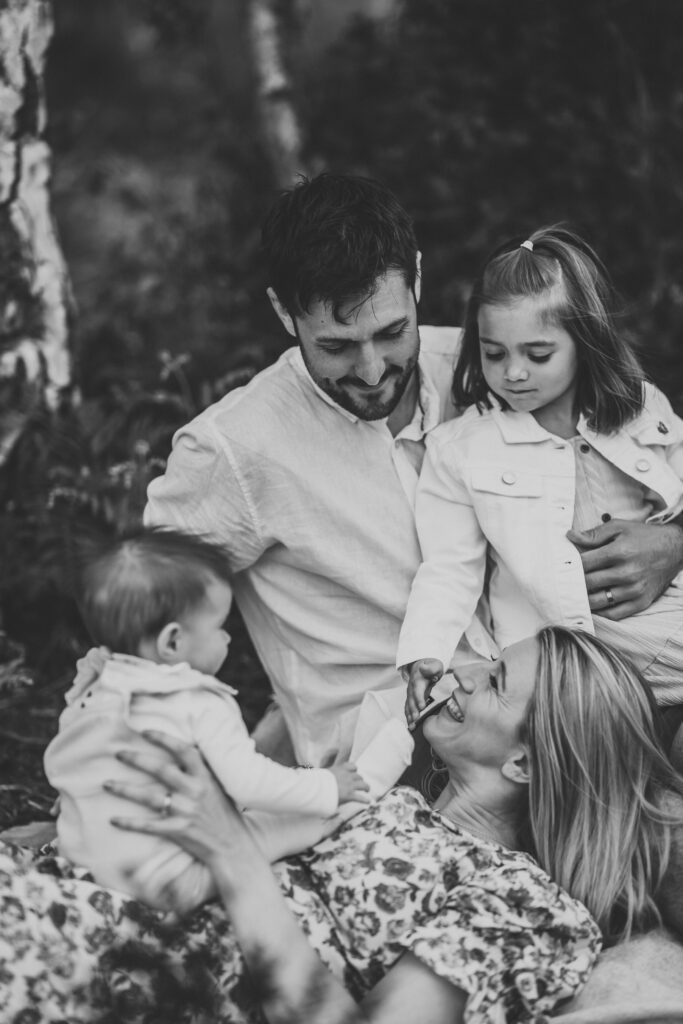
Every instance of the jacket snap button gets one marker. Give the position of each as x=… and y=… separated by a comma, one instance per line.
x=508, y=478
x=642, y=465
x=585, y=448
x=662, y=428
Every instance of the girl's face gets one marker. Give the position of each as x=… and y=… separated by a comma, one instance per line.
x=530, y=362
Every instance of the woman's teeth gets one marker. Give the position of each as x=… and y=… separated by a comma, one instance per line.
x=454, y=709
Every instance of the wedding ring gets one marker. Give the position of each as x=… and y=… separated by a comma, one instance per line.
x=165, y=808
x=610, y=597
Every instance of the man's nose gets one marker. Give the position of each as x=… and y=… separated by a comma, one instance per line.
x=369, y=364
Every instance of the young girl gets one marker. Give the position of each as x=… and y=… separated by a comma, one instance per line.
x=562, y=435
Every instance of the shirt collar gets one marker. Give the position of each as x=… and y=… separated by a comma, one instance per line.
x=427, y=407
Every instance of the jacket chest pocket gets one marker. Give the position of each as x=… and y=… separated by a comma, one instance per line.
x=497, y=481
x=508, y=505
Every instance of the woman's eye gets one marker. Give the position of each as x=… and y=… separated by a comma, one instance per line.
x=493, y=357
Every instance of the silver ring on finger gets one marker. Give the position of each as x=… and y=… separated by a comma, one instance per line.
x=165, y=808
x=610, y=597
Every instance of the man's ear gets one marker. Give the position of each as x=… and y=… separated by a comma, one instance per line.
x=516, y=768
x=418, y=276
x=169, y=643
x=282, y=312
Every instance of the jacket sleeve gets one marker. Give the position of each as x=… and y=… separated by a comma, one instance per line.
x=205, y=491
x=450, y=580
x=252, y=779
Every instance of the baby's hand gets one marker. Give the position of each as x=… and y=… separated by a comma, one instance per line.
x=351, y=784
x=420, y=676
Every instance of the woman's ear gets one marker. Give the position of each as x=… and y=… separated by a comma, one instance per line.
x=516, y=768
x=169, y=643
x=282, y=312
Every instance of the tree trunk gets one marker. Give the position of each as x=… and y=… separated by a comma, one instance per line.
x=34, y=291
x=282, y=133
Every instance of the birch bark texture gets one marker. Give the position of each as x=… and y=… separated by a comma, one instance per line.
x=35, y=302
x=270, y=22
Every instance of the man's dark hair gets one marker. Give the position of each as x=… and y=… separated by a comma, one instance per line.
x=332, y=238
x=133, y=586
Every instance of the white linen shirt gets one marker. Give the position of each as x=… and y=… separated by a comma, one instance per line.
x=496, y=483
x=315, y=508
x=103, y=717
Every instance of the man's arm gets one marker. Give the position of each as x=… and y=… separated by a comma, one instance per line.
x=203, y=491
x=633, y=563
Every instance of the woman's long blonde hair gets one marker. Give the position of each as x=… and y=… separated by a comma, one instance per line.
x=597, y=776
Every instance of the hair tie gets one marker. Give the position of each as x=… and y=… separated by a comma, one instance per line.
x=528, y=244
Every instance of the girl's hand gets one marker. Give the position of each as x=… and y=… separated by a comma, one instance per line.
x=420, y=676
x=350, y=783
x=189, y=808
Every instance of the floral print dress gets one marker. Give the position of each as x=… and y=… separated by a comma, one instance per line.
x=397, y=877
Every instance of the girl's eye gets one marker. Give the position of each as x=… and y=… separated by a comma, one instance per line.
x=493, y=357
x=540, y=359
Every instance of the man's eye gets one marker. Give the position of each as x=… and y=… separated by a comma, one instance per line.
x=392, y=335
x=334, y=349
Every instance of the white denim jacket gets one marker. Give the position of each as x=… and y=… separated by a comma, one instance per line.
x=497, y=484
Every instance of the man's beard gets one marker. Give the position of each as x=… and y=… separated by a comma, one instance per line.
x=366, y=406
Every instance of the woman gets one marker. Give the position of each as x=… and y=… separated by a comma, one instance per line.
x=416, y=914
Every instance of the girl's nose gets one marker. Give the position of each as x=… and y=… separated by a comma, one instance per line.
x=514, y=372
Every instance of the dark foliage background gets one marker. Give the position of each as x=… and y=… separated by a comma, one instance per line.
x=487, y=118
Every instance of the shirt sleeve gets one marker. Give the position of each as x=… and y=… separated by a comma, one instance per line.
x=252, y=779
x=515, y=953
x=450, y=580
x=204, y=491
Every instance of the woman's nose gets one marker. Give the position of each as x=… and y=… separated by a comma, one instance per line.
x=370, y=365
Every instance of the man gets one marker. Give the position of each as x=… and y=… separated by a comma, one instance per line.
x=307, y=475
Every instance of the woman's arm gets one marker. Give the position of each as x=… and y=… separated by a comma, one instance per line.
x=293, y=984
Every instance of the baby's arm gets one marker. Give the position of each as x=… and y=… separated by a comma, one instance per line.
x=255, y=781
x=450, y=580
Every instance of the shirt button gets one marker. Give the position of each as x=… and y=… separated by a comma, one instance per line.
x=508, y=478
x=585, y=448
x=662, y=428
x=605, y=517
x=642, y=465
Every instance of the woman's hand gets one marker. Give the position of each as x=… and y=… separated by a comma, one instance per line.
x=189, y=808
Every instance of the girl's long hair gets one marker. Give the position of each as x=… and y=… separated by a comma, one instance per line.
x=565, y=271
x=597, y=779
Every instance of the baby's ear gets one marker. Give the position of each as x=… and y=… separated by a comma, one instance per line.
x=516, y=768
x=169, y=642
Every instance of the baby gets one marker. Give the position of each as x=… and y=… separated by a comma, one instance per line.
x=159, y=600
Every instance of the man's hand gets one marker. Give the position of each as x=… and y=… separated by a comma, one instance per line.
x=420, y=676
x=628, y=565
